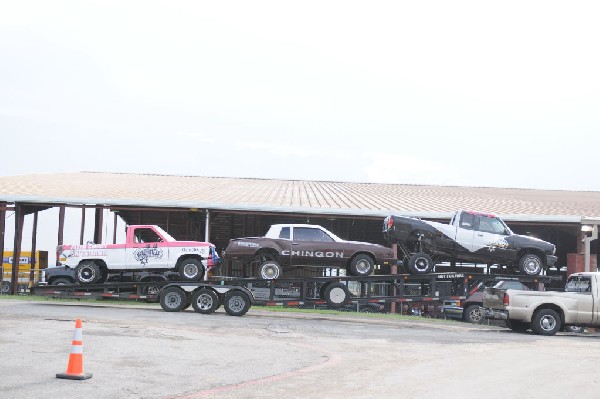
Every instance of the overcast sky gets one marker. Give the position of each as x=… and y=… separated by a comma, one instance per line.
x=475, y=93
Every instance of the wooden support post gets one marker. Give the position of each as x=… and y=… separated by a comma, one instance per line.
x=19, y=219
x=2, y=231
x=32, y=273
x=98, y=222
x=115, y=221
x=82, y=226
x=61, y=226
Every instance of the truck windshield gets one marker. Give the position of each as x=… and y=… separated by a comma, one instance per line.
x=579, y=284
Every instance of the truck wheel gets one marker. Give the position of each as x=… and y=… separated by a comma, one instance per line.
x=236, y=303
x=530, y=264
x=420, y=263
x=336, y=295
x=61, y=281
x=191, y=270
x=545, y=322
x=517, y=325
x=87, y=272
x=205, y=301
x=269, y=270
x=474, y=314
x=362, y=265
x=173, y=299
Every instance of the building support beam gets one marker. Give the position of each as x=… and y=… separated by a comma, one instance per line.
x=61, y=226
x=2, y=231
x=19, y=219
x=98, y=223
x=82, y=231
x=207, y=227
x=34, y=260
x=115, y=220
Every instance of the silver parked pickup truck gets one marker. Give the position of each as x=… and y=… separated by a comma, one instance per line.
x=546, y=313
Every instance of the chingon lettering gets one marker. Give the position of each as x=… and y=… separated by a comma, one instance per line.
x=314, y=254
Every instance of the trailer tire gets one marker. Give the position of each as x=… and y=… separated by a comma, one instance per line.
x=518, y=326
x=361, y=265
x=236, y=303
x=173, y=299
x=531, y=265
x=546, y=322
x=420, y=263
x=336, y=295
x=6, y=286
x=191, y=269
x=205, y=301
x=87, y=272
x=269, y=270
x=474, y=314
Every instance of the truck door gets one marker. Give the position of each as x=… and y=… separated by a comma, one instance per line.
x=146, y=250
x=489, y=239
x=465, y=229
x=313, y=247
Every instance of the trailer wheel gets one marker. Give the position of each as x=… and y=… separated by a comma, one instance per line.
x=545, y=322
x=61, y=281
x=420, y=263
x=530, y=264
x=173, y=299
x=87, y=272
x=362, y=265
x=205, y=301
x=474, y=314
x=336, y=295
x=236, y=303
x=269, y=270
x=191, y=270
x=5, y=287
x=516, y=325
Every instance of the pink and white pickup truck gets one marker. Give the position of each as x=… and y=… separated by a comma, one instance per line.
x=147, y=248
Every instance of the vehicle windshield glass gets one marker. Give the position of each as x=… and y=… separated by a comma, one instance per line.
x=167, y=237
x=579, y=284
x=492, y=225
x=311, y=234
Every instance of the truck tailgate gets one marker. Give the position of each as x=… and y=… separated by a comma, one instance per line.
x=493, y=298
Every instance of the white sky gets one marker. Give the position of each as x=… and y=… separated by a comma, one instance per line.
x=463, y=92
x=474, y=93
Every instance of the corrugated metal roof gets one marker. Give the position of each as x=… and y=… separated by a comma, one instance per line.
x=296, y=195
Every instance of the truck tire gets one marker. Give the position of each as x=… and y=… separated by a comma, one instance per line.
x=530, y=264
x=269, y=270
x=361, y=265
x=61, y=281
x=191, y=270
x=474, y=314
x=205, y=301
x=236, y=303
x=87, y=272
x=420, y=263
x=336, y=295
x=173, y=299
x=545, y=322
x=516, y=325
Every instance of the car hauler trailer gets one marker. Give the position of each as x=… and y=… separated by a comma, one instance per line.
x=238, y=294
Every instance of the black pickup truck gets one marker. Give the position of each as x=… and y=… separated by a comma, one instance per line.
x=473, y=237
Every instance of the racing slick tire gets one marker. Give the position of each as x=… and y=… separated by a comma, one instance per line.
x=191, y=270
x=236, y=303
x=420, y=263
x=361, y=265
x=173, y=299
x=87, y=272
x=336, y=295
x=205, y=301
x=531, y=265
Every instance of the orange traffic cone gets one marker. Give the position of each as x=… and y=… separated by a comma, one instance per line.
x=75, y=367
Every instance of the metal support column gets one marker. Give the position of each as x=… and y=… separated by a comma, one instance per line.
x=98, y=222
x=207, y=234
x=2, y=230
x=115, y=221
x=34, y=260
x=61, y=226
x=81, y=233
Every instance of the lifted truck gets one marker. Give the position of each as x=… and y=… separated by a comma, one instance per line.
x=546, y=313
x=147, y=248
x=469, y=237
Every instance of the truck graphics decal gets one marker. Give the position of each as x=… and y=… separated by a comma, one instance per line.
x=314, y=254
x=87, y=253
x=142, y=255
